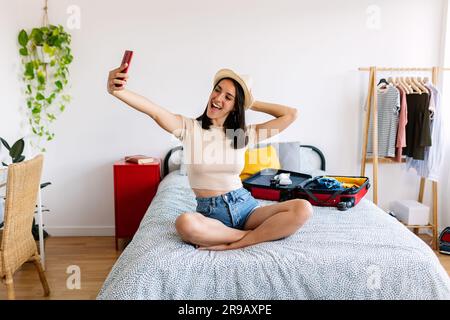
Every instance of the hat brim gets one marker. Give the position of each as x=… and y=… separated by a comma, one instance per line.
x=227, y=73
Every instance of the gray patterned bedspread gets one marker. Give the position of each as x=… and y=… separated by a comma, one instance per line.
x=362, y=253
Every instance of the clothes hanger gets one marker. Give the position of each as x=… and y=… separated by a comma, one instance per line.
x=408, y=84
x=416, y=81
x=412, y=85
x=403, y=84
x=398, y=84
x=419, y=85
x=393, y=81
x=382, y=81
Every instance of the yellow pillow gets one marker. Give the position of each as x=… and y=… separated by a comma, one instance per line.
x=259, y=159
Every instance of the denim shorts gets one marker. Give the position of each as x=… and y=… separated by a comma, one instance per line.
x=232, y=208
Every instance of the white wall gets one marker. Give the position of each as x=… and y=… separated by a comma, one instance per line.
x=300, y=53
x=12, y=124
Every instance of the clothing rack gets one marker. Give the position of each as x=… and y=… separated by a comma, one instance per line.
x=371, y=110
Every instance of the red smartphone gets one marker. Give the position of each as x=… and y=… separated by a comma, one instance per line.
x=126, y=59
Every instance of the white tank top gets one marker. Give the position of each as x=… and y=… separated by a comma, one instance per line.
x=211, y=161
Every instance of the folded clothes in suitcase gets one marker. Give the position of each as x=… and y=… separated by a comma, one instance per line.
x=281, y=185
x=343, y=192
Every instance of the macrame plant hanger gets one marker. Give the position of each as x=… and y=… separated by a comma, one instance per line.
x=39, y=199
x=45, y=24
x=45, y=17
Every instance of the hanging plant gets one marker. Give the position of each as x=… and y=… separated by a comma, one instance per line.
x=46, y=55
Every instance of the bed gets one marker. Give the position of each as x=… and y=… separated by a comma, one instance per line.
x=361, y=253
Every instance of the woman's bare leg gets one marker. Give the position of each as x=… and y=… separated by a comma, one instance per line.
x=271, y=222
x=197, y=229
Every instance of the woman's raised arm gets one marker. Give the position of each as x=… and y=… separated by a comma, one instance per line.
x=164, y=118
x=284, y=116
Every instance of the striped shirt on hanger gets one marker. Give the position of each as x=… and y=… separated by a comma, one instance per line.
x=388, y=103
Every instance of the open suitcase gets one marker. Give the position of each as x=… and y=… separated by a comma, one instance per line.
x=262, y=185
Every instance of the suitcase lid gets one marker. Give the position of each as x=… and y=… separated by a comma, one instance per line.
x=263, y=179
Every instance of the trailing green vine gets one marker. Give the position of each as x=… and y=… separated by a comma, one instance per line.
x=46, y=56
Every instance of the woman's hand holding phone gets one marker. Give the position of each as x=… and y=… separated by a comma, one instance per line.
x=118, y=77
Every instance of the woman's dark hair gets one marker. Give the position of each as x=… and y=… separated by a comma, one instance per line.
x=234, y=125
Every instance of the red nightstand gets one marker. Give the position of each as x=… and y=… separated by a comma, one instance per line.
x=135, y=186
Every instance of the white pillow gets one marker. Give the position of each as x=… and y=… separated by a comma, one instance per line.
x=183, y=168
x=176, y=162
x=298, y=159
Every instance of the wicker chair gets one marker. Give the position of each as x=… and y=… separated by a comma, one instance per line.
x=17, y=244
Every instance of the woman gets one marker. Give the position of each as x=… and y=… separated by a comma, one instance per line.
x=227, y=216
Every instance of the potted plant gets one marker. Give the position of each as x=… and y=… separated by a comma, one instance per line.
x=15, y=152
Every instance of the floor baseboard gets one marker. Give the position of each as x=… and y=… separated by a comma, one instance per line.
x=80, y=231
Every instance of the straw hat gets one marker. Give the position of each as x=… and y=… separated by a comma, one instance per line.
x=244, y=80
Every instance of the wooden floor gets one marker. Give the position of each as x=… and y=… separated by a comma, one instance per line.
x=94, y=255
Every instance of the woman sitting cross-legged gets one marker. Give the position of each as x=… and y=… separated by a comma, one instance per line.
x=214, y=144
